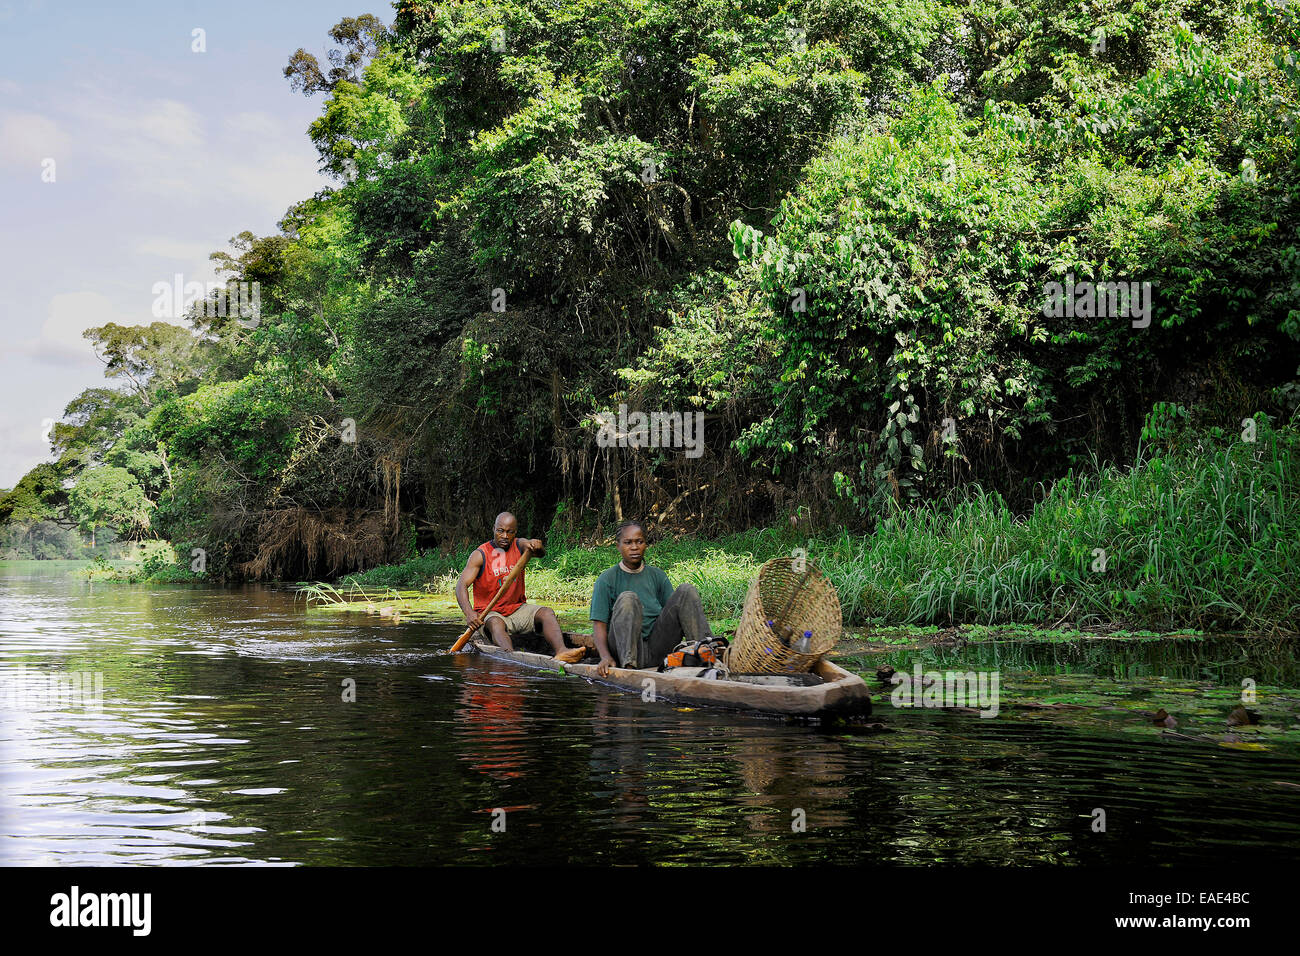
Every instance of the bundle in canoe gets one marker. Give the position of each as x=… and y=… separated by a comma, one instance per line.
x=827, y=691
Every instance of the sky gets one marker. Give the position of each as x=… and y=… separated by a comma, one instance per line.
x=128, y=156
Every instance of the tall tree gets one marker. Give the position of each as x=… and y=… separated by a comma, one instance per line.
x=92, y=424
x=109, y=497
x=147, y=356
x=358, y=40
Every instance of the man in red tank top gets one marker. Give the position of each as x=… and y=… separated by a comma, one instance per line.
x=486, y=569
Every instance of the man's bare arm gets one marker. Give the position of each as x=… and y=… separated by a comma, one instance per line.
x=466, y=580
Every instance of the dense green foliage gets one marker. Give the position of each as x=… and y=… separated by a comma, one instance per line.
x=831, y=226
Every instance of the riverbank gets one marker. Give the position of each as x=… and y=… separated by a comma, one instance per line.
x=1203, y=537
x=398, y=606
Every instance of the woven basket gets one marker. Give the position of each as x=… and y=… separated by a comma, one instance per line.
x=756, y=648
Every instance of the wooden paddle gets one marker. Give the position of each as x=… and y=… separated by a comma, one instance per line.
x=509, y=579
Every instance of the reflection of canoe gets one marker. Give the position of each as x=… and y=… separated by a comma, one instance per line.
x=828, y=691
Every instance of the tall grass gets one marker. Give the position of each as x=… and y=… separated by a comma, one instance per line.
x=1208, y=537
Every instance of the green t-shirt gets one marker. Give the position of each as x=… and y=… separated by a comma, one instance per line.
x=651, y=585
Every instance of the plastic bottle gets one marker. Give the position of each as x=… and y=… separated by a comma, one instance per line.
x=783, y=631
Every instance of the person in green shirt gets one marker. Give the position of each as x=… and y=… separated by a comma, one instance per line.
x=636, y=616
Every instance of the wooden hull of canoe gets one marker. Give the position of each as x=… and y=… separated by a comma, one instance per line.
x=841, y=694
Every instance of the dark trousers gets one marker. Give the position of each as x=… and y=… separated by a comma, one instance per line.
x=682, y=619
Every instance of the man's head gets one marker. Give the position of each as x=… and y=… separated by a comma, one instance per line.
x=630, y=538
x=504, y=529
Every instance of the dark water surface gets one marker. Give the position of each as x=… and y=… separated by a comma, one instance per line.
x=224, y=738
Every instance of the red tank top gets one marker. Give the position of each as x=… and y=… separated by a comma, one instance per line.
x=496, y=565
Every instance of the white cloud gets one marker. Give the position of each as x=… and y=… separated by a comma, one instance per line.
x=155, y=146
x=9, y=87
x=159, y=149
x=152, y=123
x=190, y=255
x=28, y=138
x=22, y=453
x=169, y=248
x=24, y=417
x=274, y=182
x=69, y=314
x=244, y=125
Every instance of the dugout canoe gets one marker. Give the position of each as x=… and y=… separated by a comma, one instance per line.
x=829, y=691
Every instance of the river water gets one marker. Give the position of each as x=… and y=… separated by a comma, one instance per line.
x=224, y=735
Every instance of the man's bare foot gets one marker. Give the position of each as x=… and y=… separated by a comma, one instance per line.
x=571, y=655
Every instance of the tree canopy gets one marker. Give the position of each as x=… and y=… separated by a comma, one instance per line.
x=832, y=226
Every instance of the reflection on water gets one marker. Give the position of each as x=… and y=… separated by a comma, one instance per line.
x=225, y=736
